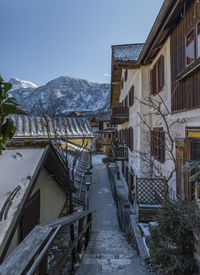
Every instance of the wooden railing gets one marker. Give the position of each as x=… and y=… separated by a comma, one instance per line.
x=120, y=152
x=40, y=253
x=119, y=115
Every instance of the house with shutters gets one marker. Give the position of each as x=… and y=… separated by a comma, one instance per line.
x=105, y=133
x=155, y=99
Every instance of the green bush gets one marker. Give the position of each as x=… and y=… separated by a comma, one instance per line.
x=7, y=106
x=172, y=239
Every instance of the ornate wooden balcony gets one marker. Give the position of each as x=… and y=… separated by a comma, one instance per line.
x=120, y=152
x=119, y=115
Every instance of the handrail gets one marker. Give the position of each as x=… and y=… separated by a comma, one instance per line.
x=14, y=264
x=42, y=253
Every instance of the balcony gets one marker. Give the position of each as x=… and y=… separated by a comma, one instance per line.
x=119, y=115
x=120, y=152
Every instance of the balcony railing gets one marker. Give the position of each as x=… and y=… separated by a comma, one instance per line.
x=119, y=115
x=120, y=152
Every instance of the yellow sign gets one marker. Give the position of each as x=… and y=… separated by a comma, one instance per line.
x=194, y=134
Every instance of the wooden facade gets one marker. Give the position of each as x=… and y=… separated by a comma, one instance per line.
x=185, y=74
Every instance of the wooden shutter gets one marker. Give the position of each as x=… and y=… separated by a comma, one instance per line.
x=131, y=138
x=126, y=101
x=162, y=145
x=122, y=83
x=126, y=75
x=131, y=96
x=161, y=72
x=152, y=143
x=152, y=81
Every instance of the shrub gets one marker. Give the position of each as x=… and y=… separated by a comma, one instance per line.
x=172, y=239
x=7, y=106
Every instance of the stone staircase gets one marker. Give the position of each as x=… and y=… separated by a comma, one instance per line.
x=109, y=253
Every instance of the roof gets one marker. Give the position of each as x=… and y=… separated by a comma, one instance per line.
x=134, y=55
x=34, y=127
x=23, y=163
x=106, y=116
x=128, y=52
x=17, y=186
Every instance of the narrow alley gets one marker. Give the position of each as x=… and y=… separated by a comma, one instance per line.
x=108, y=251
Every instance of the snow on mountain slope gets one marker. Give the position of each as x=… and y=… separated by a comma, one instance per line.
x=17, y=84
x=62, y=95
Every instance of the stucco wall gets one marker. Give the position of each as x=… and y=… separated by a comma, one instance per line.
x=52, y=197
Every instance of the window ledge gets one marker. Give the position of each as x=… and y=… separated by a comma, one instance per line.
x=188, y=71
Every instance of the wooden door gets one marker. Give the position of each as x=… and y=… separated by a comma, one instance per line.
x=30, y=217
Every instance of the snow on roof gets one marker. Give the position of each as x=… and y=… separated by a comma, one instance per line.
x=16, y=169
x=63, y=127
x=129, y=52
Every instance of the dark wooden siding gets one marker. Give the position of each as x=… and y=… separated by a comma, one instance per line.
x=185, y=80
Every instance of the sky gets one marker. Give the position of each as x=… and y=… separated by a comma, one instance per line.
x=44, y=39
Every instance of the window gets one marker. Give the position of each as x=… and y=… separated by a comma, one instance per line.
x=198, y=40
x=190, y=48
x=158, y=144
x=104, y=135
x=122, y=83
x=131, y=138
x=109, y=136
x=108, y=124
x=157, y=76
x=126, y=101
x=131, y=96
x=126, y=75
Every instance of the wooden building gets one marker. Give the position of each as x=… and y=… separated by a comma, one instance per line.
x=105, y=133
x=166, y=68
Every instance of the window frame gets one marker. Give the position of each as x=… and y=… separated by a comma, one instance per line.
x=197, y=44
x=186, y=36
x=157, y=144
x=156, y=73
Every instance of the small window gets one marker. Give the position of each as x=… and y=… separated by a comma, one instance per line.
x=158, y=144
x=198, y=40
x=122, y=83
x=109, y=136
x=190, y=48
x=104, y=135
x=126, y=101
x=126, y=75
x=157, y=76
x=131, y=96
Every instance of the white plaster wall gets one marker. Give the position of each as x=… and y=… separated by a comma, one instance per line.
x=134, y=78
x=52, y=197
x=140, y=78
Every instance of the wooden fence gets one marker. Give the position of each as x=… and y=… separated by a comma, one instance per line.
x=151, y=190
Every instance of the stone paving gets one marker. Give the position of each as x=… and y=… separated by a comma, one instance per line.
x=108, y=251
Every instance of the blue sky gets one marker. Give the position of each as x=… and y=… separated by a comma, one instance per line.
x=44, y=39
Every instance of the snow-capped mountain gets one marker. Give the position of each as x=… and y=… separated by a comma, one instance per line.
x=18, y=84
x=61, y=96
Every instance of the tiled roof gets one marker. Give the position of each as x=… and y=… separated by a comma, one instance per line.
x=129, y=52
x=43, y=128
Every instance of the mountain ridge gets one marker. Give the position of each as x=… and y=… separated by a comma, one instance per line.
x=61, y=96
